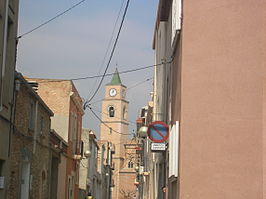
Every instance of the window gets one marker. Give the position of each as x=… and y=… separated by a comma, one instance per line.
x=69, y=188
x=9, y=56
x=78, y=134
x=174, y=150
x=76, y=176
x=1, y=166
x=74, y=133
x=142, y=113
x=176, y=18
x=82, y=148
x=111, y=111
x=130, y=164
x=95, y=152
x=8, y=30
x=41, y=125
x=124, y=113
x=71, y=132
x=42, y=183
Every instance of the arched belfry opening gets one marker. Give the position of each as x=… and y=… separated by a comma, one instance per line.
x=111, y=111
x=124, y=113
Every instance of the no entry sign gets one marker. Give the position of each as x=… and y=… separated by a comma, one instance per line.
x=158, y=131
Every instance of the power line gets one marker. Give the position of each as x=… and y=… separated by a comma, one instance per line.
x=112, y=130
x=146, y=80
x=96, y=101
x=50, y=20
x=108, y=74
x=131, y=87
x=111, y=56
x=109, y=44
x=96, y=76
x=117, y=118
x=122, y=72
x=114, y=116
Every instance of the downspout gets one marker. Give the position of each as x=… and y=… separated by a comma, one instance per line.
x=35, y=126
x=12, y=127
x=4, y=53
x=110, y=170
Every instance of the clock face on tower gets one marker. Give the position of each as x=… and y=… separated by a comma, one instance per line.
x=112, y=92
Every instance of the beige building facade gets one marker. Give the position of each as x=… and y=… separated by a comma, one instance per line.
x=63, y=99
x=58, y=157
x=114, y=129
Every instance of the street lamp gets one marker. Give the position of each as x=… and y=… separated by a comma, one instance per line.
x=87, y=154
x=142, y=132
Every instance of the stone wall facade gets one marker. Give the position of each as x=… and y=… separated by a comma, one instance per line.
x=30, y=145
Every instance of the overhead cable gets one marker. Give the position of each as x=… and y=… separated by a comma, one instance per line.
x=122, y=72
x=111, y=55
x=96, y=76
x=108, y=74
x=111, y=130
x=146, y=80
x=51, y=19
x=131, y=87
x=114, y=116
x=109, y=45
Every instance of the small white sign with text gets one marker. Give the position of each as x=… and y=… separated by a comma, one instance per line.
x=158, y=146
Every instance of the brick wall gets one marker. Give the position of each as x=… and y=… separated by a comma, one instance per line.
x=27, y=147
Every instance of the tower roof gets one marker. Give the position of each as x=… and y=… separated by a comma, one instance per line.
x=115, y=79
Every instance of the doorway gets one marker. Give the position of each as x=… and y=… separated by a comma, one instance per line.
x=25, y=181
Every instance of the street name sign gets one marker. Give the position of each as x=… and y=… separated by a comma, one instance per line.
x=158, y=132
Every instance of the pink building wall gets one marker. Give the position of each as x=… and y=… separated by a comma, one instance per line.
x=222, y=109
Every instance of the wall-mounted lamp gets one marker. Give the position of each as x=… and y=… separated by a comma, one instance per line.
x=142, y=132
x=87, y=154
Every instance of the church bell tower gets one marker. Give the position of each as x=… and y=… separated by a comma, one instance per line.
x=114, y=128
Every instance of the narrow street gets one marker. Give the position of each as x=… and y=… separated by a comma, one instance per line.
x=120, y=99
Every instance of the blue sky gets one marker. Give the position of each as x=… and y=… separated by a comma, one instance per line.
x=74, y=45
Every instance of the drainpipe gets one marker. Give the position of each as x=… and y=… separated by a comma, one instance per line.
x=4, y=53
x=35, y=126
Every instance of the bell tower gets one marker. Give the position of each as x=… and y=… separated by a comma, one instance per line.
x=114, y=128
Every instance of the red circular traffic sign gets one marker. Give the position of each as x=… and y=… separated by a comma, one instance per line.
x=158, y=131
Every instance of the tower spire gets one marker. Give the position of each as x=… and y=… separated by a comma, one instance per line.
x=115, y=79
